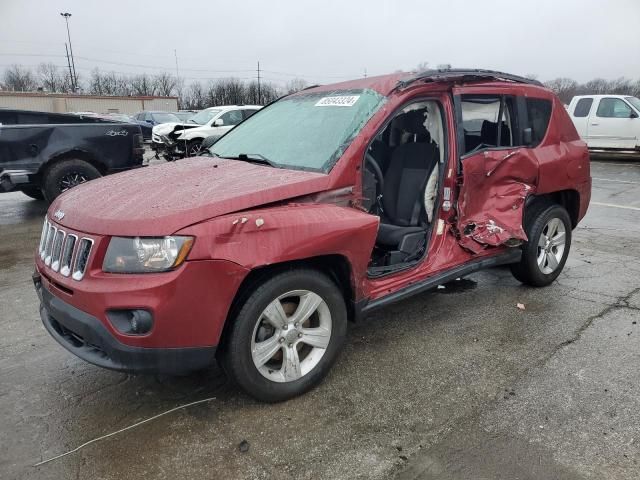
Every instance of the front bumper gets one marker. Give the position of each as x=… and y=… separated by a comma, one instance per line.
x=86, y=337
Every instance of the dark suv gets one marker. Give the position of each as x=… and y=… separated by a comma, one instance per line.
x=320, y=208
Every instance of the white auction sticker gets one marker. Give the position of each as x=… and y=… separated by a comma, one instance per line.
x=341, y=101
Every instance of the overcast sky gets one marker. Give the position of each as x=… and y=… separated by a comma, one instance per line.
x=324, y=41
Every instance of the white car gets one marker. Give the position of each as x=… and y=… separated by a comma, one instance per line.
x=214, y=121
x=607, y=122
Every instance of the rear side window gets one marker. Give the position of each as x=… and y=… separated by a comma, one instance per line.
x=613, y=108
x=583, y=107
x=488, y=122
x=539, y=113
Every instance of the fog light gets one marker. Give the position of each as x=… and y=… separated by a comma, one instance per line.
x=131, y=322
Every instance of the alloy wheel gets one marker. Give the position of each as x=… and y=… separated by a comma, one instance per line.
x=551, y=245
x=291, y=336
x=71, y=180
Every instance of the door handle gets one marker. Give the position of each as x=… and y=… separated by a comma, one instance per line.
x=595, y=124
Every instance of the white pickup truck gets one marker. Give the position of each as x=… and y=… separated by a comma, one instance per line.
x=607, y=122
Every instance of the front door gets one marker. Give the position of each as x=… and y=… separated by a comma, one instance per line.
x=612, y=124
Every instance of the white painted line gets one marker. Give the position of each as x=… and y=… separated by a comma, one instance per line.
x=616, y=181
x=626, y=207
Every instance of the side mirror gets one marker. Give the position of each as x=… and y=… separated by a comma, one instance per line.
x=149, y=121
x=527, y=136
x=218, y=123
x=633, y=114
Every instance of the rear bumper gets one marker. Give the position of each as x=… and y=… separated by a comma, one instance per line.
x=12, y=179
x=86, y=337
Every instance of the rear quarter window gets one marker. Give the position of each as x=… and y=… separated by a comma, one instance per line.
x=539, y=113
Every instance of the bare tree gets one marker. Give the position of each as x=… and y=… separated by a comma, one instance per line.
x=164, y=84
x=444, y=66
x=564, y=87
x=295, y=85
x=50, y=77
x=19, y=79
x=143, y=85
x=421, y=67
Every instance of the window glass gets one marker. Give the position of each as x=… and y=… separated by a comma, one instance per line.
x=204, y=117
x=633, y=101
x=583, y=107
x=539, y=113
x=165, y=117
x=480, y=122
x=233, y=117
x=307, y=131
x=613, y=108
x=248, y=112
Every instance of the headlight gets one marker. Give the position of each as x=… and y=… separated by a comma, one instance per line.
x=145, y=254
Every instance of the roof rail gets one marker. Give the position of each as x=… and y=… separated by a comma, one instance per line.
x=465, y=75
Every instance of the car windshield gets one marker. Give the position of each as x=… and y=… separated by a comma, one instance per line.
x=635, y=101
x=165, y=117
x=305, y=131
x=203, y=117
x=183, y=116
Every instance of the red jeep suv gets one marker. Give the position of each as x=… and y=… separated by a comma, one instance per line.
x=318, y=209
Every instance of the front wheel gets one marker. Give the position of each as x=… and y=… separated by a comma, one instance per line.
x=546, y=252
x=194, y=148
x=286, y=335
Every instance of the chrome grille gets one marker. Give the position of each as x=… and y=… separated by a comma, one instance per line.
x=64, y=252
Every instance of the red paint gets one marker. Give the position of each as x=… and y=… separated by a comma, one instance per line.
x=248, y=216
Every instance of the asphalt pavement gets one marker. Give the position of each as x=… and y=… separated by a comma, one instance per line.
x=458, y=383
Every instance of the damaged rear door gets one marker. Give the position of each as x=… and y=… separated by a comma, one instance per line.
x=496, y=170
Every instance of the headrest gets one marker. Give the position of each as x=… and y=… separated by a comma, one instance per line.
x=412, y=121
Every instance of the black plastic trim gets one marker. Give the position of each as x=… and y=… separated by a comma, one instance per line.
x=509, y=256
x=86, y=337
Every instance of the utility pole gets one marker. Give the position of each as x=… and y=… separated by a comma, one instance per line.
x=66, y=16
x=259, y=92
x=175, y=52
x=73, y=87
x=365, y=73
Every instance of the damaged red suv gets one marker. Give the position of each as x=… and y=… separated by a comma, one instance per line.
x=318, y=209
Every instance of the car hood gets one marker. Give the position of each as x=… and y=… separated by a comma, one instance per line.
x=162, y=199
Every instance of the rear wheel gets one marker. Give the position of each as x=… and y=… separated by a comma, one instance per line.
x=66, y=174
x=546, y=252
x=286, y=335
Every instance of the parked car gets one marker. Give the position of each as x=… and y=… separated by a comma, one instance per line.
x=324, y=206
x=147, y=120
x=43, y=154
x=607, y=122
x=181, y=140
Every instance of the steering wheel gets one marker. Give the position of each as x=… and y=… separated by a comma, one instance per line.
x=375, y=168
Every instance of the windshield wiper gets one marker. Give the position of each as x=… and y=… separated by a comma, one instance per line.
x=254, y=158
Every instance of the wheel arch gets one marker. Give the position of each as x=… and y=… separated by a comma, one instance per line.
x=73, y=154
x=336, y=266
x=568, y=199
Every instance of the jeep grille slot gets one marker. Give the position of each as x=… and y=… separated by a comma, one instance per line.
x=43, y=237
x=82, y=258
x=56, y=250
x=64, y=252
x=67, y=254
x=49, y=244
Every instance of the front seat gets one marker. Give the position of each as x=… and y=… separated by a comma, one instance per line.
x=405, y=180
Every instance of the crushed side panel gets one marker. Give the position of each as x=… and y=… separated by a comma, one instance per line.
x=495, y=185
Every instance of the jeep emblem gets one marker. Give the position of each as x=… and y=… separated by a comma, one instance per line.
x=59, y=215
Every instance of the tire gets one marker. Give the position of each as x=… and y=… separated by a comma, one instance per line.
x=66, y=174
x=193, y=148
x=262, y=372
x=543, y=257
x=33, y=192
